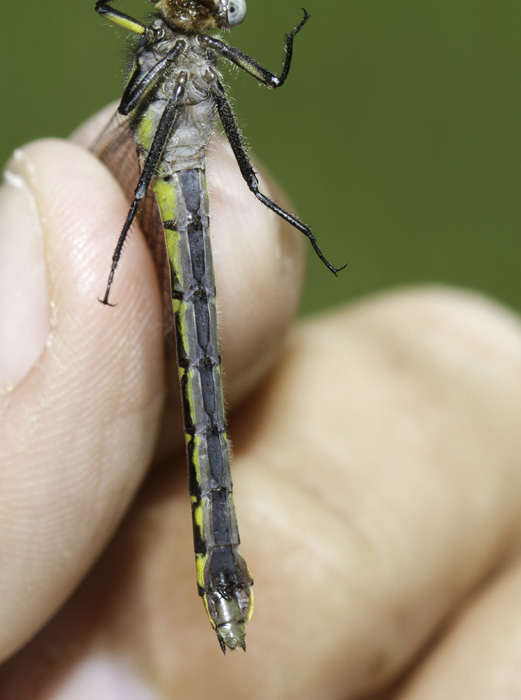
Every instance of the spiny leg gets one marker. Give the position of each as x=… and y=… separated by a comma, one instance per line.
x=129, y=23
x=163, y=130
x=136, y=88
x=246, y=63
x=231, y=129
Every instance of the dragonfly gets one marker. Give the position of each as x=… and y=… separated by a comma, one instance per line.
x=169, y=105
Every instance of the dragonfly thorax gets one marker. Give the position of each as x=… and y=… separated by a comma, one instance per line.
x=194, y=69
x=201, y=15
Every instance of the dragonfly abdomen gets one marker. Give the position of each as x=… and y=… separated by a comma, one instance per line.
x=223, y=577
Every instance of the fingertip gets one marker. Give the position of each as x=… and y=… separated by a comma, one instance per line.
x=24, y=301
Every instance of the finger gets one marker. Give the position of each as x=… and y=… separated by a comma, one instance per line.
x=417, y=500
x=478, y=657
x=377, y=483
x=79, y=415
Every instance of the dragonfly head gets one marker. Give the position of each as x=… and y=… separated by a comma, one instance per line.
x=200, y=15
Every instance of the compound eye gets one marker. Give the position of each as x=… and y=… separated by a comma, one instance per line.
x=236, y=12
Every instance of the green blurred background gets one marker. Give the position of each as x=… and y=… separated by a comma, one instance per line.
x=397, y=135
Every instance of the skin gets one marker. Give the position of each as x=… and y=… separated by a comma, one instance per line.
x=376, y=469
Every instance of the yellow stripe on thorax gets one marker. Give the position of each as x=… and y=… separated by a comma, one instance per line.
x=145, y=133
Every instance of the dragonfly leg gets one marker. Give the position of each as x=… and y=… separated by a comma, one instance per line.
x=154, y=156
x=255, y=69
x=139, y=84
x=233, y=134
x=129, y=23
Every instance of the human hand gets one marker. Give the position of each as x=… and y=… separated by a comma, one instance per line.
x=376, y=474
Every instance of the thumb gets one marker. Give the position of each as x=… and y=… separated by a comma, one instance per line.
x=80, y=383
